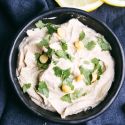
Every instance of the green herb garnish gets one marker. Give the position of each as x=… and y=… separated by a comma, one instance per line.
x=66, y=98
x=72, y=96
x=51, y=27
x=42, y=88
x=44, y=41
x=87, y=74
x=105, y=46
x=98, y=66
x=26, y=86
x=81, y=36
x=64, y=45
x=90, y=45
x=39, y=24
x=63, y=54
x=49, y=52
x=69, y=57
x=63, y=74
x=39, y=64
x=77, y=94
x=68, y=82
x=54, y=62
x=95, y=61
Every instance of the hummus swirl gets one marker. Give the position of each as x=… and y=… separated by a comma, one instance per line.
x=65, y=68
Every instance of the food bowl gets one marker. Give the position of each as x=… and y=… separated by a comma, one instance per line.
x=59, y=16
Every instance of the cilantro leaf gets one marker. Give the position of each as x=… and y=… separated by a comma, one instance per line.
x=105, y=46
x=26, y=86
x=90, y=45
x=51, y=28
x=42, y=88
x=64, y=45
x=57, y=71
x=44, y=41
x=66, y=98
x=62, y=54
x=98, y=66
x=81, y=36
x=49, y=52
x=87, y=74
x=39, y=24
x=63, y=74
x=69, y=57
x=95, y=61
x=77, y=94
x=68, y=82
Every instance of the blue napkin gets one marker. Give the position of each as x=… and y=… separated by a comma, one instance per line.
x=13, y=15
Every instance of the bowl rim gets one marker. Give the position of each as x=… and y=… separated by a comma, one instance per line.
x=58, y=10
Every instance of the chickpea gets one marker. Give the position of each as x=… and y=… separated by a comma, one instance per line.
x=65, y=88
x=78, y=45
x=78, y=78
x=43, y=58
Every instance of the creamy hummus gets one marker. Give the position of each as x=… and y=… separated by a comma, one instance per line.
x=65, y=68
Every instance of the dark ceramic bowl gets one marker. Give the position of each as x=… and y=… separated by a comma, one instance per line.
x=63, y=15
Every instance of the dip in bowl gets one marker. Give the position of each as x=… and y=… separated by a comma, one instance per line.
x=64, y=62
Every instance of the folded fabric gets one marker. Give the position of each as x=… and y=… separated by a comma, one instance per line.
x=16, y=13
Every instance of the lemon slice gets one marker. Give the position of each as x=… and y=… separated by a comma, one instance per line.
x=86, y=5
x=118, y=3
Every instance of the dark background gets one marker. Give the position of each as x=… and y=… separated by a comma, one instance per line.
x=14, y=14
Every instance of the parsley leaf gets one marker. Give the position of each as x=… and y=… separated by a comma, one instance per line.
x=64, y=45
x=90, y=45
x=98, y=65
x=57, y=71
x=39, y=24
x=51, y=28
x=66, y=98
x=49, y=52
x=42, y=88
x=81, y=36
x=54, y=62
x=105, y=46
x=69, y=57
x=62, y=54
x=44, y=41
x=95, y=61
x=26, y=86
x=77, y=94
x=87, y=74
x=64, y=74
x=68, y=82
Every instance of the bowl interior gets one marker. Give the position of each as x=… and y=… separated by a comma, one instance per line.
x=59, y=16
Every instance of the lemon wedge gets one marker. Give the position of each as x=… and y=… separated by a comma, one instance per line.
x=118, y=3
x=86, y=5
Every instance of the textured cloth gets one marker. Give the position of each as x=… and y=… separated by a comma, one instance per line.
x=16, y=13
